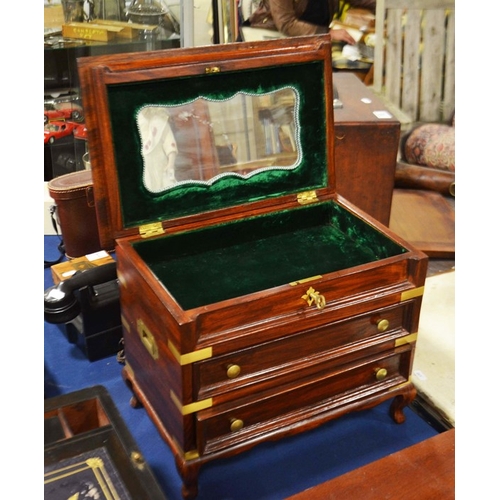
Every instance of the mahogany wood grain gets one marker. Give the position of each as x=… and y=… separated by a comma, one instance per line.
x=366, y=148
x=300, y=365
x=424, y=471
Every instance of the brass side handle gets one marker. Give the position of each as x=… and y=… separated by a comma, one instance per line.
x=236, y=424
x=147, y=339
x=380, y=373
x=314, y=297
x=382, y=325
x=233, y=371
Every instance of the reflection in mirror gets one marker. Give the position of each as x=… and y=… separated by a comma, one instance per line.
x=200, y=141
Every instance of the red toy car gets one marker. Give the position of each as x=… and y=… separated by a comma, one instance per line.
x=80, y=131
x=62, y=111
x=57, y=130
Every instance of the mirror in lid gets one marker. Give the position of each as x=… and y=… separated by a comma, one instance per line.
x=199, y=142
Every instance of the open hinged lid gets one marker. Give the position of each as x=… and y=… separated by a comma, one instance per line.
x=182, y=136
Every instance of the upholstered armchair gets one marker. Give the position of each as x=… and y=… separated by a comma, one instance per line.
x=427, y=158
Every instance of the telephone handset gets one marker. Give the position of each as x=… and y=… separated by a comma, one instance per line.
x=60, y=302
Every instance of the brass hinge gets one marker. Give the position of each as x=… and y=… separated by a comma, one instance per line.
x=153, y=229
x=307, y=197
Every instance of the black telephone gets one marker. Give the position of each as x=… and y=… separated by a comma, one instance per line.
x=87, y=307
x=61, y=304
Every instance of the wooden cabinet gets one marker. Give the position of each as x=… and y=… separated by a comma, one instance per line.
x=366, y=147
x=254, y=306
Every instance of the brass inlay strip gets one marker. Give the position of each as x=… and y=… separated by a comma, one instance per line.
x=412, y=337
x=411, y=294
x=191, y=455
x=305, y=280
x=188, y=455
x=192, y=407
x=125, y=324
x=190, y=357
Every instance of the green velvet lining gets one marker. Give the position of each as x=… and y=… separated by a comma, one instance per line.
x=139, y=206
x=233, y=259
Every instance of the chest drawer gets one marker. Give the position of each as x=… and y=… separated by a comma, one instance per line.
x=222, y=425
x=262, y=362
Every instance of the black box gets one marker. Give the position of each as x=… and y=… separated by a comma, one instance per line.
x=88, y=447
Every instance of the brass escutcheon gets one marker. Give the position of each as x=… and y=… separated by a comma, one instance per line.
x=312, y=296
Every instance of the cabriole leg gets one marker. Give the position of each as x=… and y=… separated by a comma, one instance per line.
x=400, y=402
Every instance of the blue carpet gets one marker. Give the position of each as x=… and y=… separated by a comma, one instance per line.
x=270, y=471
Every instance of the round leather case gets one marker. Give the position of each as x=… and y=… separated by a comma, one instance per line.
x=75, y=212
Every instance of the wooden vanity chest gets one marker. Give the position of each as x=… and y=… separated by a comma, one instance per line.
x=256, y=302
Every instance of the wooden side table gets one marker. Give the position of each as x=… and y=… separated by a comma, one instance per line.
x=426, y=470
x=366, y=147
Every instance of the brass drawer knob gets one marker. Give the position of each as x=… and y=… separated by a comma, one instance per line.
x=382, y=325
x=236, y=424
x=233, y=371
x=380, y=373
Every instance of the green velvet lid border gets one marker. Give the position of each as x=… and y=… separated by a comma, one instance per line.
x=140, y=206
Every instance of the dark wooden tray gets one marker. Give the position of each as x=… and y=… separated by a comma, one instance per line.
x=88, y=447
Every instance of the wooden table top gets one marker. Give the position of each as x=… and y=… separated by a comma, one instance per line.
x=360, y=104
x=423, y=471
